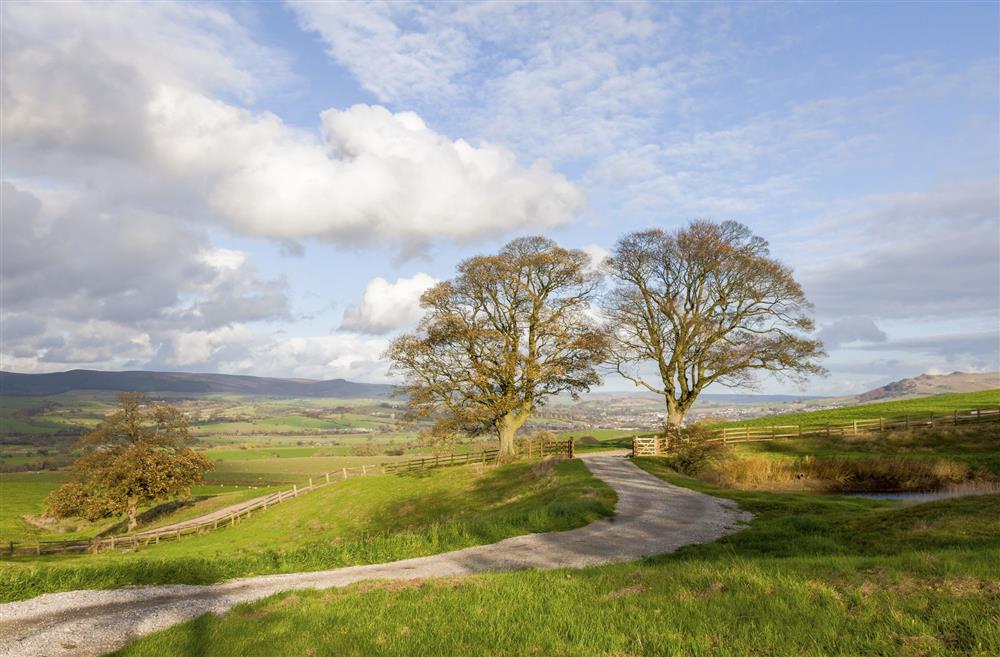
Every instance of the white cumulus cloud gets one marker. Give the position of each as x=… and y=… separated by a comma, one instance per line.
x=388, y=306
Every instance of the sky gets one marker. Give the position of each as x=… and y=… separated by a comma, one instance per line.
x=267, y=188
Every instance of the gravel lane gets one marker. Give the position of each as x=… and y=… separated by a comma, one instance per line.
x=651, y=517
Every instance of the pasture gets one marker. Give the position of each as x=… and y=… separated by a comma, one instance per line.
x=363, y=520
x=889, y=410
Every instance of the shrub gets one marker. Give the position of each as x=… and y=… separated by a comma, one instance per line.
x=692, y=452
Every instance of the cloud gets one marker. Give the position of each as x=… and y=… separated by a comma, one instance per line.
x=851, y=329
x=191, y=347
x=555, y=80
x=342, y=355
x=85, y=284
x=388, y=306
x=375, y=177
x=981, y=349
x=90, y=103
x=924, y=255
x=598, y=254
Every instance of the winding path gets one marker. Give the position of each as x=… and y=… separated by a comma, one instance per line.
x=651, y=517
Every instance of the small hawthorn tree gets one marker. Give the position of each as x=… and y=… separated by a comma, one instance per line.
x=139, y=454
x=705, y=304
x=509, y=331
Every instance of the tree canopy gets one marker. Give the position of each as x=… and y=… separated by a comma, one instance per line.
x=139, y=454
x=703, y=305
x=508, y=332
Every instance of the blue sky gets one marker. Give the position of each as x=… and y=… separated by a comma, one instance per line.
x=267, y=188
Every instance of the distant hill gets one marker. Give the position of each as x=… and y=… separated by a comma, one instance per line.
x=15, y=384
x=933, y=384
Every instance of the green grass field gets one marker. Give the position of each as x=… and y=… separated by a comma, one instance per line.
x=890, y=410
x=364, y=520
x=23, y=493
x=812, y=576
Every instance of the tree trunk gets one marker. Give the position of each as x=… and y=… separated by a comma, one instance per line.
x=506, y=430
x=675, y=416
x=133, y=512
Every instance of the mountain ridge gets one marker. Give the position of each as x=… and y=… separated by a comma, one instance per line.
x=933, y=384
x=54, y=383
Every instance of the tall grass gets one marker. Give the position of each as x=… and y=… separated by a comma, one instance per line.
x=839, y=474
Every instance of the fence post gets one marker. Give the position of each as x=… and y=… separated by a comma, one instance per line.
x=295, y=490
x=977, y=414
x=634, y=440
x=310, y=482
x=855, y=427
x=955, y=416
x=364, y=470
x=344, y=470
x=774, y=432
x=327, y=477
x=881, y=426
x=572, y=446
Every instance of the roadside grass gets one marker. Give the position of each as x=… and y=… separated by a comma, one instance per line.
x=976, y=445
x=811, y=576
x=364, y=520
x=889, y=410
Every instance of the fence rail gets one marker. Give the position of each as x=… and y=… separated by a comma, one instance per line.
x=653, y=445
x=530, y=449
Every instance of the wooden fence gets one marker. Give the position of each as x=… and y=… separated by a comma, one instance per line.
x=193, y=527
x=529, y=449
x=526, y=449
x=653, y=445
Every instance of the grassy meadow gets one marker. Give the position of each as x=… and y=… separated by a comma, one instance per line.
x=812, y=576
x=896, y=410
x=363, y=520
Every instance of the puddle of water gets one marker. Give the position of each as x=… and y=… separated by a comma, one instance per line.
x=953, y=491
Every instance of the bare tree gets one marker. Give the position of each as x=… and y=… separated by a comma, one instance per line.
x=705, y=304
x=509, y=331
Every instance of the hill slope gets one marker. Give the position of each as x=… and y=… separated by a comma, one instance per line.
x=933, y=384
x=12, y=383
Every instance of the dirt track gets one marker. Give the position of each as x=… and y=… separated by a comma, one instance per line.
x=651, y=517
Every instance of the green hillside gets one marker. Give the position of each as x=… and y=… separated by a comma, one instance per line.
x=890, y=411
